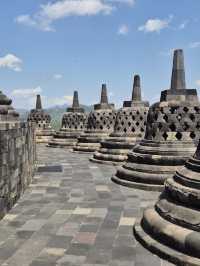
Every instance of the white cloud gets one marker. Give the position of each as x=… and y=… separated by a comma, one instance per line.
x=26, y=93
x=53, y=11
x=129, y=2
x=49, y=102
x=198, y=83
x=155, y=25
x=26, y=98
x=59, y=9
x=183, y=25
x=123, y=30
x=193, y=45
x=57, y=76
x=11, y=61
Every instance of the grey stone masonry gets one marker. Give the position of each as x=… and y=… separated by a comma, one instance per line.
x=100, y=124
x=42, y=120
x=171, y=229
x=129, y=128
x=172, y=133
x=7, y=112
x=17, y=155
x=73, y=124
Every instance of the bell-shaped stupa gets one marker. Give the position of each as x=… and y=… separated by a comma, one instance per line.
x=73, y=124
x=7, y=112
x=172, y=228
x=100, y=124
x=172, y=132
x=129, y=128
x=42, y=120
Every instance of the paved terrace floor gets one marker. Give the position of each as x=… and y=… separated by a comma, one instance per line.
x=73, y=215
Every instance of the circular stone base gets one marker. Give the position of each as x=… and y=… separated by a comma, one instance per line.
x=85, y=148
x=151, y=163
x=114, y=151
x=142, y=186
x=43, y=139
x=163, y=251
x=105, y=162
x=90, y=142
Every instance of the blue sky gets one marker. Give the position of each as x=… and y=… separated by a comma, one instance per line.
x=53, y=47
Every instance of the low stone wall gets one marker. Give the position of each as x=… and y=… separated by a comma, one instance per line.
x=17, y=161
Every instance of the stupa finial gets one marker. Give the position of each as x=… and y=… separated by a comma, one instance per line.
x=136, y=95
x=178, y=71
x=38, y=102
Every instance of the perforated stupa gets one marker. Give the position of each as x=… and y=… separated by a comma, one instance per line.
x=100, y=124
x=73, y=124
x=172, y=132
x=129, y=128
x=42, y=119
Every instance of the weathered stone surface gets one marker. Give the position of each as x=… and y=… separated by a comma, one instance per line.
x=172, y=132
x=100, y=124
x=129, y=128
x=172, y=228
x=42, y=121
x=73, y=124
x=76, y=217
x=7, y=112
x=17, y=155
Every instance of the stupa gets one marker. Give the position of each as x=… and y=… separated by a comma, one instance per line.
x=129, y=128
x=73, y=124
x=172, y=228
x=7, y=112
x=100, y=124
x=172, y=132
x=44, y=132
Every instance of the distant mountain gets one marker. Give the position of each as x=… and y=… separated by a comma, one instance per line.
x=56, y=113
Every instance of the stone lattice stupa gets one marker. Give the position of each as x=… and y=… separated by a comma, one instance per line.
x=44, y=132
x=100, y=124
x=172, y=133
x=7, y=112
x=129, y=128
x=172, y=228
x=73, y=124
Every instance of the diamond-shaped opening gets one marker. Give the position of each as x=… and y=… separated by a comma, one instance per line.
x=197, y=109
x=165, y=117
x=192, y=117
x=160, y=126
x=165, y=135
x=185, y=109
x=133, y=129
x=172, y=127
x=192, y=135
x=179, y=135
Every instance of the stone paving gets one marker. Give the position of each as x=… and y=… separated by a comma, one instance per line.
x=73, y=215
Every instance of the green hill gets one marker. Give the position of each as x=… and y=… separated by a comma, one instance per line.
x=56, y=113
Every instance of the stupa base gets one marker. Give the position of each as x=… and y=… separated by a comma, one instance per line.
x=163, y=251
x=136, y=185
x=90, y=142
x=64, y=139
x=151, y=163
x=113, y=151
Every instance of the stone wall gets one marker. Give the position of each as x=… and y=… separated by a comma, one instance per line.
x=17, y=161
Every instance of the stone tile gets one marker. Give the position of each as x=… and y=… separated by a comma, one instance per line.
x=33, y=225
x=85, y=238
x=127, y=221
x=82, y=211
x=76, y=217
